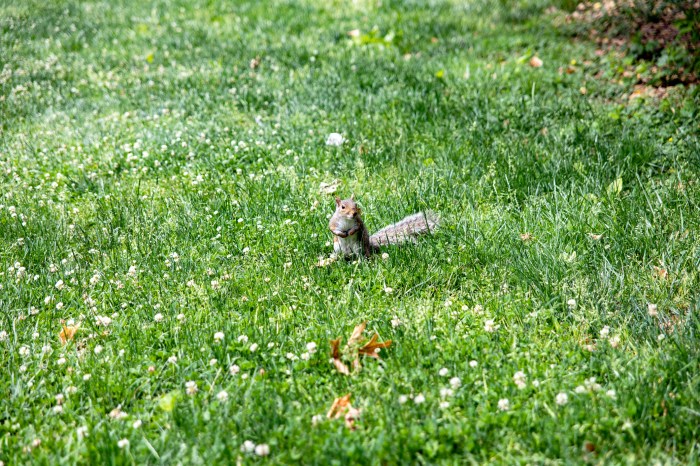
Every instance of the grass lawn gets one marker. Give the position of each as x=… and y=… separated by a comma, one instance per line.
x=161, y=165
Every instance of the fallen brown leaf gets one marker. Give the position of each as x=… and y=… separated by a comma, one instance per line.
x=526, y=236
x=339, y=406
x=371, y=347
x=536, y=62
x=660, y=272
x=68, y=333
x=357, y=333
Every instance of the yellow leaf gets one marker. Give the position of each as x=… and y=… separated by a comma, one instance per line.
x=150, y=57
x=68, y=333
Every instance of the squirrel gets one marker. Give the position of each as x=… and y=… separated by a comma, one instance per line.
x=353, y=239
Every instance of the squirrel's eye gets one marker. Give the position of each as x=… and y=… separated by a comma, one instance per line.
x=342, y=206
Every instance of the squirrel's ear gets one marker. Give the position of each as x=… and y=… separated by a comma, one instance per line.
x=337, y=200
x=352, y=196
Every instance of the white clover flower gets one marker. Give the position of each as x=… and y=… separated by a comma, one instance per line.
x=137, y=423
x=519, y=378
x=158, y=317
x=98, y=349
x=443, y=372
x=243, y=339
x=248, y=447
x=535, y=383
x=58, y=409
x=580, y=389
x=571, y=303
x=81, y=431
x=24, y=351
x=305, y=356
x=385, y=256
x=419, y=399
x=317, y=419
x=262, y=449
x=403, y=399
x=222, y=396
x=59, y=306
x=614, y=341
x=335, y=139
x=123, y=443
x=455, y=383
x=311, y=347
x=172, y=359
x=473, y=363
x=3, y=335
x=234, y=369
x=489, y=326
x=661, y=337
x=604, y=332
x=59, y=285
x=181, y=317
x=611, y=394
x=388, y=290
x=213, y=361
x=191, y=387
x=653, y=310
x=59, y=398
x=253, y=348
x=218, y=336
x=504, y=404
x=291, y=356
x=561, y=399
x=395, y=322
x=87, y=377
x=446, y=392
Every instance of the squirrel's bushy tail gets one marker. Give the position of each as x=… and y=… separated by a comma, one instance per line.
x=405, y=230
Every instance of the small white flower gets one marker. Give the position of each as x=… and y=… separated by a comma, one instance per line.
x=653, y=310
x=218, y=336
x=234, y=369
x=571, y=303
x=580, y=389
x=24, y=351
x=243, y=339
x=661, y=337
x=385, y=256
x=137, y=423
x=58, y=409
x=262, y=449
x=248, y=447
x=561, y=399
x=316, y=419
x=213, y=361
x=335, y=139
x=291, y=356
x=253, y=347
x=388, y=290
x=59, y=306
x=23, y=368
x=311, y=347
x=535, y=383
x=446, y=392
x=614, y=341
x=444, y=404
x=60, y=398
x=443, y=372
x=191, y=387
x=87, y=377
x=181, y=317
x=395, y=322
x=403, y=399
x=158, y=317
x=3, y=335
x=98, y=349
x=504, y=404
x=455, y=383
x=59, y=285
x=222, y=396
x=172, y=359
x=604, y=332
x=519, y=378
x=81, y=431
x=123, y=443
x=612, y=394
x=489, y=326
x=305, y=356
x=418, y=399
x=473, y=363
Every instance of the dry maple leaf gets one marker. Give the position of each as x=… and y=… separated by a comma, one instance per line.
x=339, y=406
x=335, y=358
x=357, y=333
x=536, y=62
x=371, y=347
x=660, y=272
x=68, y=333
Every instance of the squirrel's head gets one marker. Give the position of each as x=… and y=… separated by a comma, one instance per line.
x=347, y=207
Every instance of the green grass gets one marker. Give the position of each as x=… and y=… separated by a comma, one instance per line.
x=133, y=131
